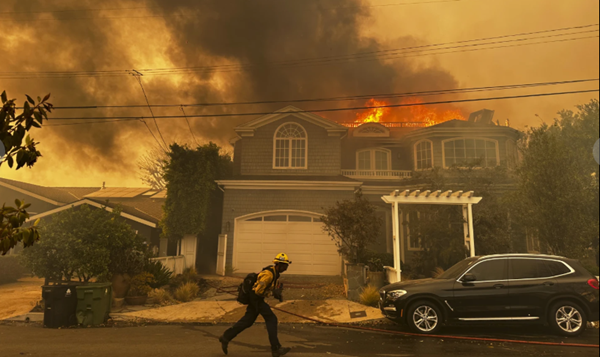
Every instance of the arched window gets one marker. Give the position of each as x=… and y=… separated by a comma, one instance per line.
x=480, y=152
x=290, y=147
x=424, y=155
x=374, y=159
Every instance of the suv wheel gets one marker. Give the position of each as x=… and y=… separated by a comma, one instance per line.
x=568, y=319
x=424, y=317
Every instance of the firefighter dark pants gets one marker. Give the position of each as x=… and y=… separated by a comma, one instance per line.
x=258, y=308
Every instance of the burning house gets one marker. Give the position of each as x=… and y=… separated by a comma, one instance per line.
x=291, y=165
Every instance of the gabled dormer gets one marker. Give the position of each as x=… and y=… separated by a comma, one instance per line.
x=289, y=142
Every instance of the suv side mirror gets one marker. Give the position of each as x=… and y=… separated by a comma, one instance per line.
x=469, y=278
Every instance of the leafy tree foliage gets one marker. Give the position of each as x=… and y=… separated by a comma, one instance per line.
x=558, y=181
x=190, y=175
x=353, y=225
x=85, y=243
x=20, y=149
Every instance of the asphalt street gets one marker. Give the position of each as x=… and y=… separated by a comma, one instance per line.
x=306, y=340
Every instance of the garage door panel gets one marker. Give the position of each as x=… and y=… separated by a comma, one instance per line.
x=252, y=227
x=312, y=251
x=275, y=227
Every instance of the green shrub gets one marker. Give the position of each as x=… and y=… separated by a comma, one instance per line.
x=11, y=269
x=162, y=297
x=370, y=296
x=187, y=292
x=85, y=243
x=162, y=275
x=140, y=285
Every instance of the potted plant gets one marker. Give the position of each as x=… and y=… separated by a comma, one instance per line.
x=139, y=290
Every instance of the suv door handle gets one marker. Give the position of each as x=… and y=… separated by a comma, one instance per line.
x=499, y=286
x=549, y=283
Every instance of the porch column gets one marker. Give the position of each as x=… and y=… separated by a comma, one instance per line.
x=397, y=253
x=465, y=210
x=471, y=230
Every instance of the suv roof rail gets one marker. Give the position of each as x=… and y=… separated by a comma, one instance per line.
x=522, y=255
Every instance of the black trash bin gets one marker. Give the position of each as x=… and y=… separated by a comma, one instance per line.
x=60, y=305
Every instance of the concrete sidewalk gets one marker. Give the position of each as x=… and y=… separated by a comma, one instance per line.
x=337, y=311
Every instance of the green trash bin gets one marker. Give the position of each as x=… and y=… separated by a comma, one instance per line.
x=93, y=303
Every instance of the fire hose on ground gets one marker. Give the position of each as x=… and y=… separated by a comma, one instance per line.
x=408, y=334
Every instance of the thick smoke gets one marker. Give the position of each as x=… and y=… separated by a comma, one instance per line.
x=188, y=33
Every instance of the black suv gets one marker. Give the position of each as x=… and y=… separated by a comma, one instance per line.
x=502, y=288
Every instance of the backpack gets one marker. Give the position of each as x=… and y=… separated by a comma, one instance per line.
x=246, y=288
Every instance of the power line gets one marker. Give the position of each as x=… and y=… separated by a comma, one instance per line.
x=138, y=76
x=344, y=98
x=320, y=60
x=222, y=115
x=189, y=126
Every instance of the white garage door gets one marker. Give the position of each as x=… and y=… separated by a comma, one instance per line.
x=259, y=239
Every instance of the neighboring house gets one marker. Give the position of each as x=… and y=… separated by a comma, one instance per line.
x=289, y=167
x=141, y=207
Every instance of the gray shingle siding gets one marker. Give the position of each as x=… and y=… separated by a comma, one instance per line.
x=324, y=152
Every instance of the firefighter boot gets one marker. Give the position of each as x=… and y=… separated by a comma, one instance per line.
x=281, y=351
x=224, y=344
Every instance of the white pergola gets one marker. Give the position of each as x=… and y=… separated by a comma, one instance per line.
x=448, y=198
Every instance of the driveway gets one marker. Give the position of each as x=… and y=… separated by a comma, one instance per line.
x=307, y=340
x=20, y=297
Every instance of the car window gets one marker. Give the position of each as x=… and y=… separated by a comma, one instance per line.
x=492, y=270
x=456, y=271
x=557, y=268
x=529, y=269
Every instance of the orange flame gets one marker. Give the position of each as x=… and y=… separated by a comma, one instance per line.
x=373, y=115
x=429, y=116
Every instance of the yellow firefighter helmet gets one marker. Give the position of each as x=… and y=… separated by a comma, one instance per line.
x=282, y=259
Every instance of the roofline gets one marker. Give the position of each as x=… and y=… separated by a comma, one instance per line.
x=287, y=185
x=442, y=130
x=94, y=204
x=333, y=128
x=31, y=194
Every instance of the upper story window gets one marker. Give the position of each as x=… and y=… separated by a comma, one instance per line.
x=290, y=147
x=424, y=155
x=374, y=159
x=482, y=152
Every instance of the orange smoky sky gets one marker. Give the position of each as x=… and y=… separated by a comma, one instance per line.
x=249, y=36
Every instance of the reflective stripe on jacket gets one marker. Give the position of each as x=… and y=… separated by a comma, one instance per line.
x=266, y=282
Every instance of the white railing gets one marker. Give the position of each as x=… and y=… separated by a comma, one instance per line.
x=175, y=264
x=378, y=174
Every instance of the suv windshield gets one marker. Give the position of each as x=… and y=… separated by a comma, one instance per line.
x=458, y=269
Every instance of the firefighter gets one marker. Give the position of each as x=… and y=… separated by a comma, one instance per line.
x=266, y=285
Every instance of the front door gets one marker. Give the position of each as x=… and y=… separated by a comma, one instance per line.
x=486, y=298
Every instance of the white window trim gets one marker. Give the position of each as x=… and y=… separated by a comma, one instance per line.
x=536, y=236
x=373, y=161
x=514, y=158
x=290, y=149
x=416, y=158
x=470, y=138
